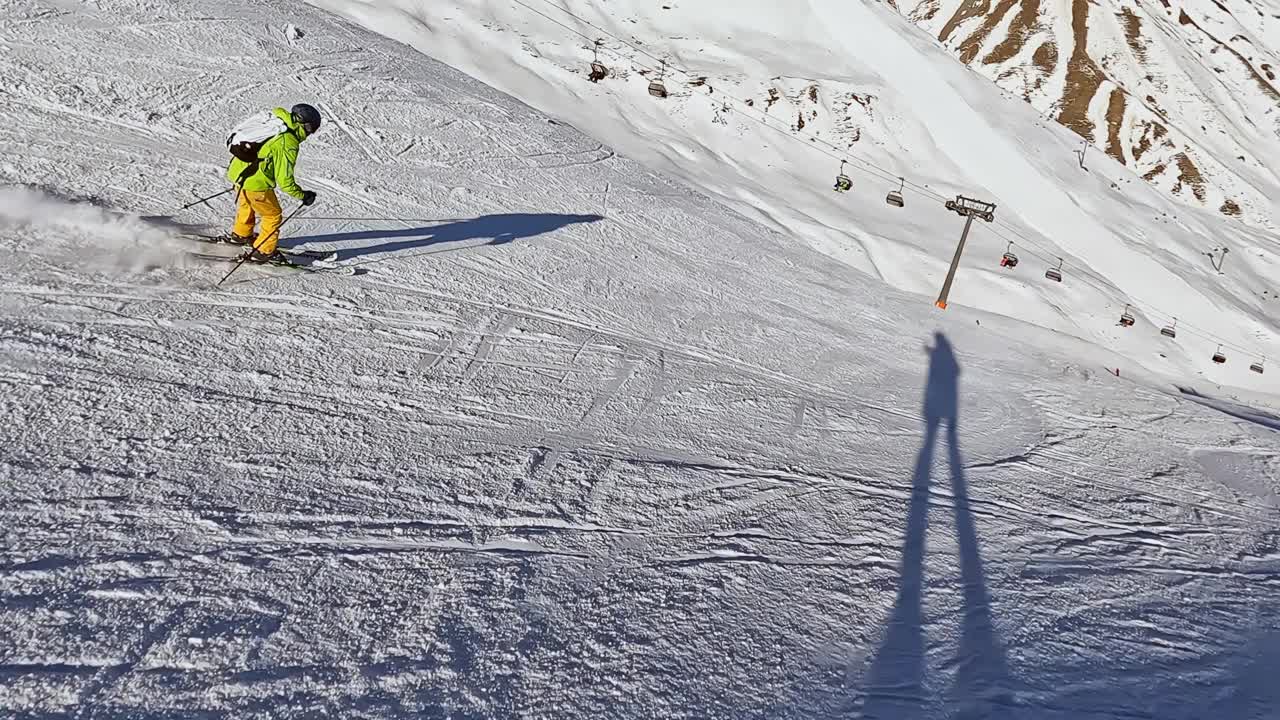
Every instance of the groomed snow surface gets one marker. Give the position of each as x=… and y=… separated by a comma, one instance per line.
x=579, y=442
x=866, y=81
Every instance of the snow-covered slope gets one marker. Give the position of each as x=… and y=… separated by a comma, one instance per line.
x=580, y=442
x=860, y=77
x=1183, y=92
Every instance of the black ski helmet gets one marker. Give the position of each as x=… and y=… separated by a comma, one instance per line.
x=306, y=116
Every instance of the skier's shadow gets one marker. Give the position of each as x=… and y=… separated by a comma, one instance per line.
x=492, y=229
x=896, y=679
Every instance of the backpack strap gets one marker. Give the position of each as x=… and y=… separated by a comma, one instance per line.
x=249, y=171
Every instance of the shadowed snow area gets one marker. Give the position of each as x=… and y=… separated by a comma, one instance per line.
x=579, y=442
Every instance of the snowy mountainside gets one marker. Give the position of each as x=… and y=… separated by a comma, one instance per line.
x=580, y=442
x=1184, y=92
x=860, y=78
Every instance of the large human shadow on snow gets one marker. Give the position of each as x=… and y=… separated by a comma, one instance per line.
x=896, y=678
x=491, y=229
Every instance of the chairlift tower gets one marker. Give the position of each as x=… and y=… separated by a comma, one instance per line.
x=1218, y=261
x=967, y=208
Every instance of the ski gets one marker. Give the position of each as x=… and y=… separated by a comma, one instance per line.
x=305, y=263
x=313, y=255
x=210, y=239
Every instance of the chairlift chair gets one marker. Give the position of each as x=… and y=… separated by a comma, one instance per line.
x=1009, y=260
x=895, y=196
x=1055, y=274
x=1126, y=318
x=598, y=70
x=1218, y=357
x=843, y=183
x=1170, y=330
x=1257, y=367
x=656, y=88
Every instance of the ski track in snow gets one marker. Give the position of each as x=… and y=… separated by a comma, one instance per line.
x=536, y=463
x=860, y=77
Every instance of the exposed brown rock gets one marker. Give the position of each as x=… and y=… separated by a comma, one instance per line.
x=1189, y=174
x=925, y=11
x=1115, y=119
x=1133, y=33
x=1266, y=87
x=992, y=36
x=1046, y=57
x=968, y=9
x=1083, y=76
x=1151, y=131
x=972, y=44
x=1020, y=30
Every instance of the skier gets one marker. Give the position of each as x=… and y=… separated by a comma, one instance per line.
x=264, y=150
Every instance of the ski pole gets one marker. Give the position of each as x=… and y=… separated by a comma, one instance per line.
x=206, y=200
x=255, y=245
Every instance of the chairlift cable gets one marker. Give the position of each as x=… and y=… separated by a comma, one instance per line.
x=1104, y=286
x=669, y=67
x=1110, y=289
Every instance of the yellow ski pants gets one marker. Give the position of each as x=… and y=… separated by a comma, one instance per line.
x=257, y=205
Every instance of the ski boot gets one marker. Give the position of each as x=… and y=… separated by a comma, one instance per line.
x=229, y=238
x=260, y=258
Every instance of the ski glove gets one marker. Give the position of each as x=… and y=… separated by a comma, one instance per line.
x=308, y=197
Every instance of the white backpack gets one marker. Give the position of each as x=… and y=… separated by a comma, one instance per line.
x=246, y=139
